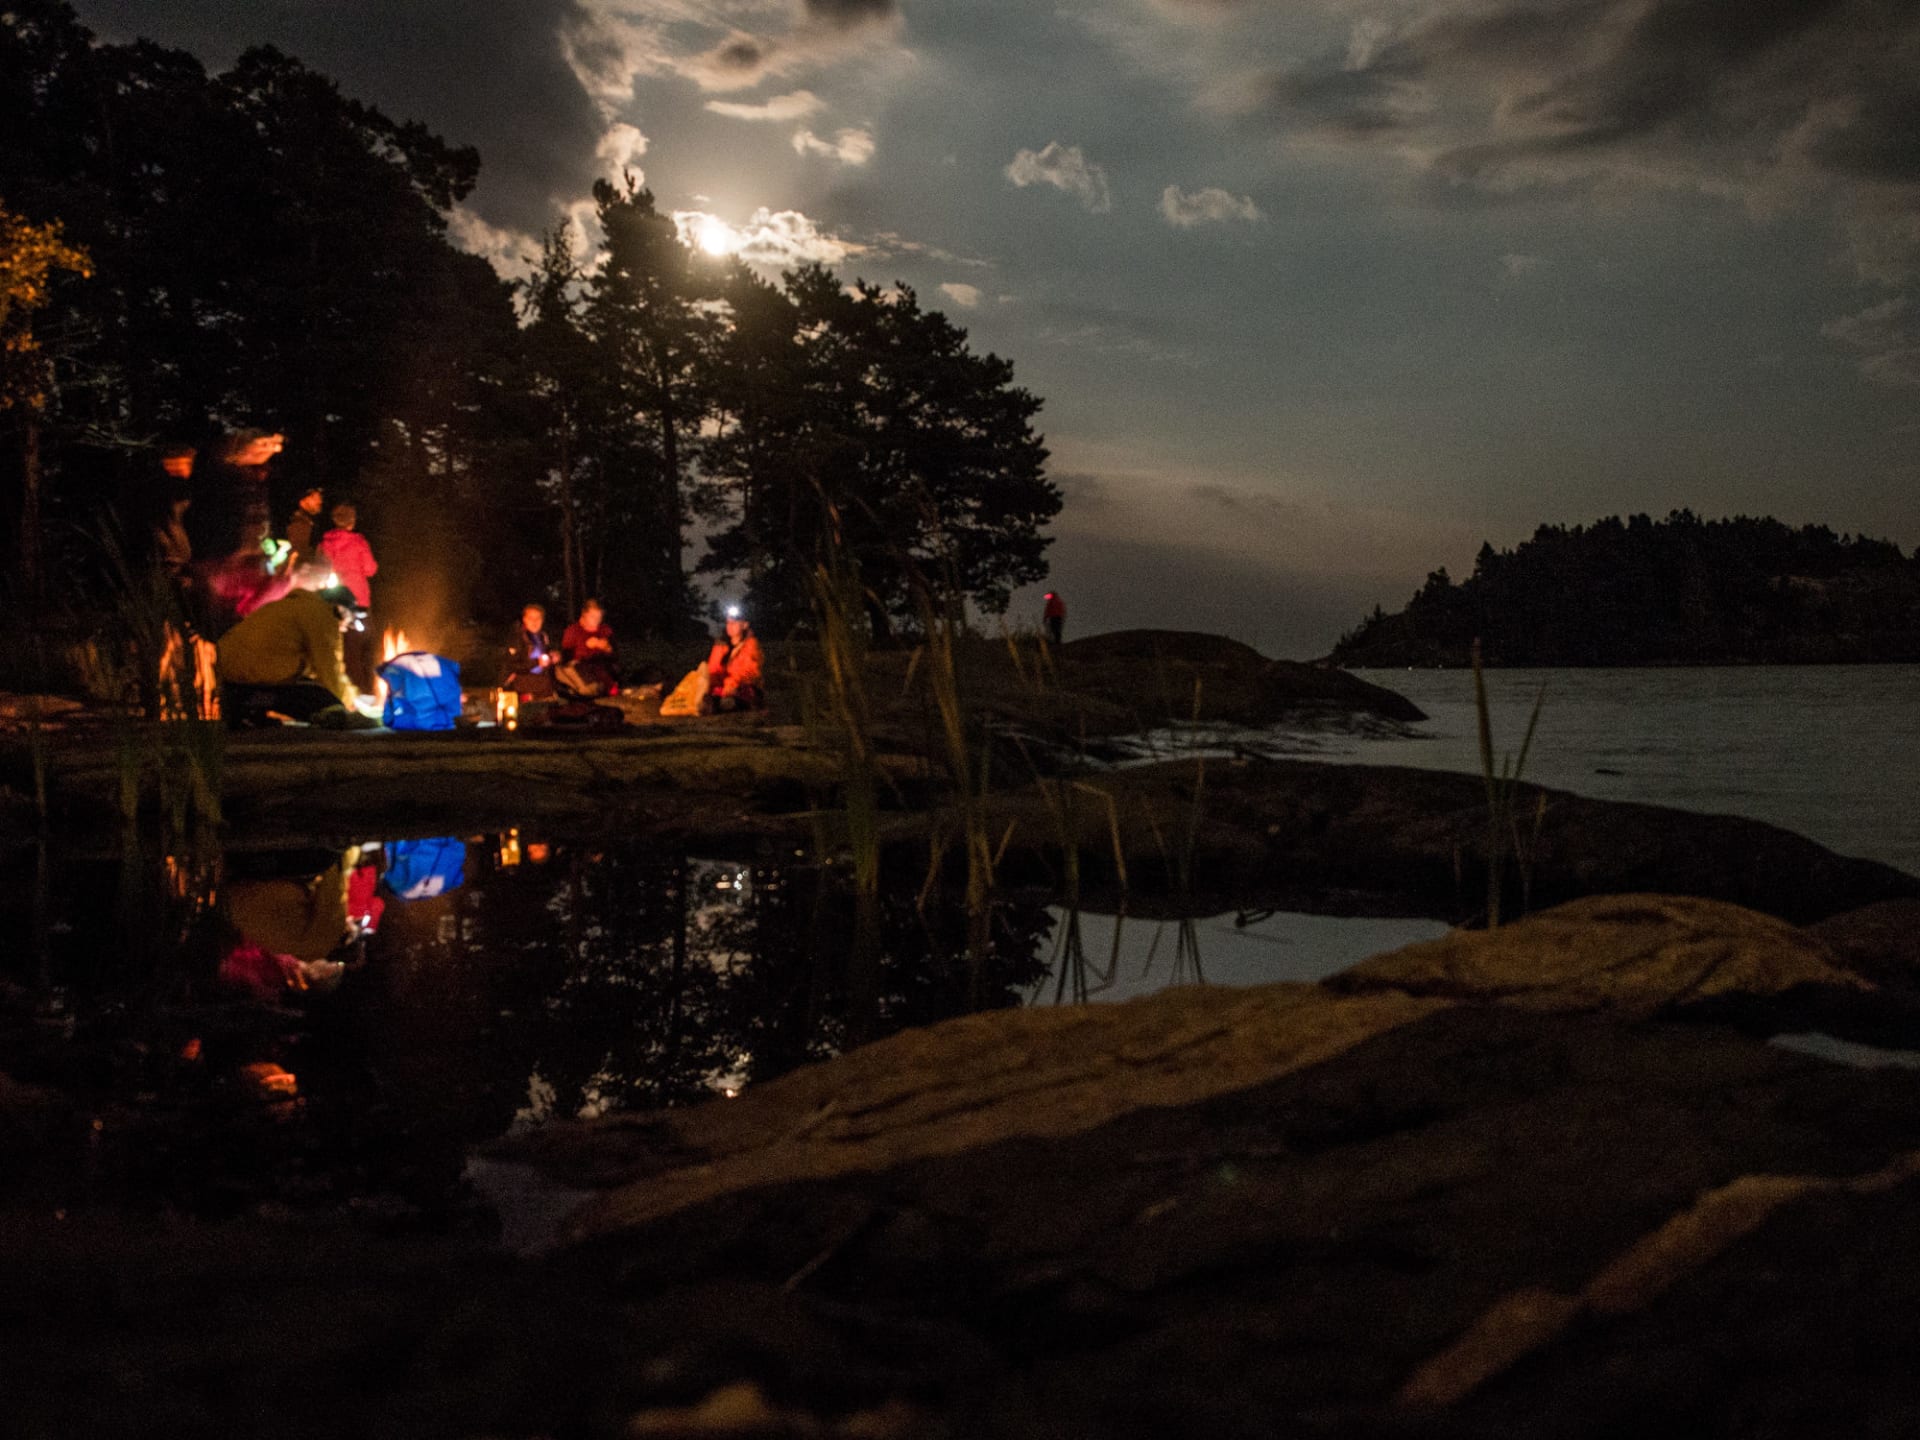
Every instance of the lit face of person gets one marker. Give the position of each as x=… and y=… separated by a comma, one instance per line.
x=591, y=617
x=311, y=502
x=532, y=618
x=180, y=467
x=736, y=629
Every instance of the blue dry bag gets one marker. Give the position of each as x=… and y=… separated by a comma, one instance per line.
x=422, y=869
x=423, y=692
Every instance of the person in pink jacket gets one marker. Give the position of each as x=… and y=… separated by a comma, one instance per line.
x=345, y=551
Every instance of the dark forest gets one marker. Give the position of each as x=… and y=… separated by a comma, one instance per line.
x=1682, y=591
x=194, y=255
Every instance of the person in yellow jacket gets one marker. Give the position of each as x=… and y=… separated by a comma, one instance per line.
x=284, y=660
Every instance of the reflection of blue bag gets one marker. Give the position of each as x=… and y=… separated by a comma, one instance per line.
x=423, y=692
x=422, y=869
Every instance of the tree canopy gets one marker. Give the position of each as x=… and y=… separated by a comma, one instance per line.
x=268, y=252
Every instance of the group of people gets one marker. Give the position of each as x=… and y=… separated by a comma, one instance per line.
x=288, y=608
x=585, y=664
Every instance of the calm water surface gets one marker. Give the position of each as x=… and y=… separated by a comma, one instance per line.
x=312, y=1031
x=1832, y=752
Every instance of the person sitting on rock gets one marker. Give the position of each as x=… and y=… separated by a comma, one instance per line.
x=283, y=661
x=734, y=668
x=531, y=658
x=587, y=656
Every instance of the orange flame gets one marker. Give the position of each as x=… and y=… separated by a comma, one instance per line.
x=393, y=643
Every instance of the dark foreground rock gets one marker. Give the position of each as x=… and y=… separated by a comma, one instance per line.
x=1383, y=840
x=1455, y=1202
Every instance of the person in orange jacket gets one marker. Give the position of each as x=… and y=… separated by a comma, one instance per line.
x=734, y=668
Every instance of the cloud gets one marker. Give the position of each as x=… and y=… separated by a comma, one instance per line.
x=511, y=252
x=967, y=297
x=1119, y=342
x=850, y=14
x=1201, y=207
x=1887, y=336
x=849, y=147
x=772, y=239
x=825, y=31
x=1517, y=265
x=1771, y=103
x=1066, y=168
x=781, y=108
x=608, y=51
x=620, y=150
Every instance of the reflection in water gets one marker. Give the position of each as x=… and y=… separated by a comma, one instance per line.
x=326, y=1028
x=340, y=1028
x=422, y=869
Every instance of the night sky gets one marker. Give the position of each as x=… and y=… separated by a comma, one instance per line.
x=1319, y=294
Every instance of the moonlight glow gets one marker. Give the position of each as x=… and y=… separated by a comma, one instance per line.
x=713, y=235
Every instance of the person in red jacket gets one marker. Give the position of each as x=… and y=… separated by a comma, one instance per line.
x=1055, y=614
x=345, y=551
x=734, y=668
x=586, y=654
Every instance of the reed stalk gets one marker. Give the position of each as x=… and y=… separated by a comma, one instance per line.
x=1503, y=786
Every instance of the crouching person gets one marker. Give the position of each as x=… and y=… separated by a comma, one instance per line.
x=734, y=669
x=284, y=660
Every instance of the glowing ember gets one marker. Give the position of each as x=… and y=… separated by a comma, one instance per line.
x=270, y=1082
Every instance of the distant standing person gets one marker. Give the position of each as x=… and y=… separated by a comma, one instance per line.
x=300, y=526
x=346, y=552
x=586, y=652
x=1056, y=617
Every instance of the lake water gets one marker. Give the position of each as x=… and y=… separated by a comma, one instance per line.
x=1832, y=752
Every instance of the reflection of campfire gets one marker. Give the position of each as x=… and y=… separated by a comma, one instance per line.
x=189, y=687
x=393, y=643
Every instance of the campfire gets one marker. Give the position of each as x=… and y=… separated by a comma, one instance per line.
x=393, y=643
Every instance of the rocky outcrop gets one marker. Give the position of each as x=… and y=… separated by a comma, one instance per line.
x=1168, y=675
x=1379, y=840
x=1638, y=955
x=1031, y=1074
x=1881, y=942
x=1398, y=1237
x=1540, y=1198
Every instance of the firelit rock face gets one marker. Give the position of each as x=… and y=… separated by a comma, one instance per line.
x=1633, y=954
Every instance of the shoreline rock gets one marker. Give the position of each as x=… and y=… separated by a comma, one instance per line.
x=1203, y=1213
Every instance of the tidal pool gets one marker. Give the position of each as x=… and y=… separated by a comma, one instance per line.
x=324, y=1030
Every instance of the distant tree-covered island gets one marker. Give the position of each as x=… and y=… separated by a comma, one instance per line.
x=1679, y=591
